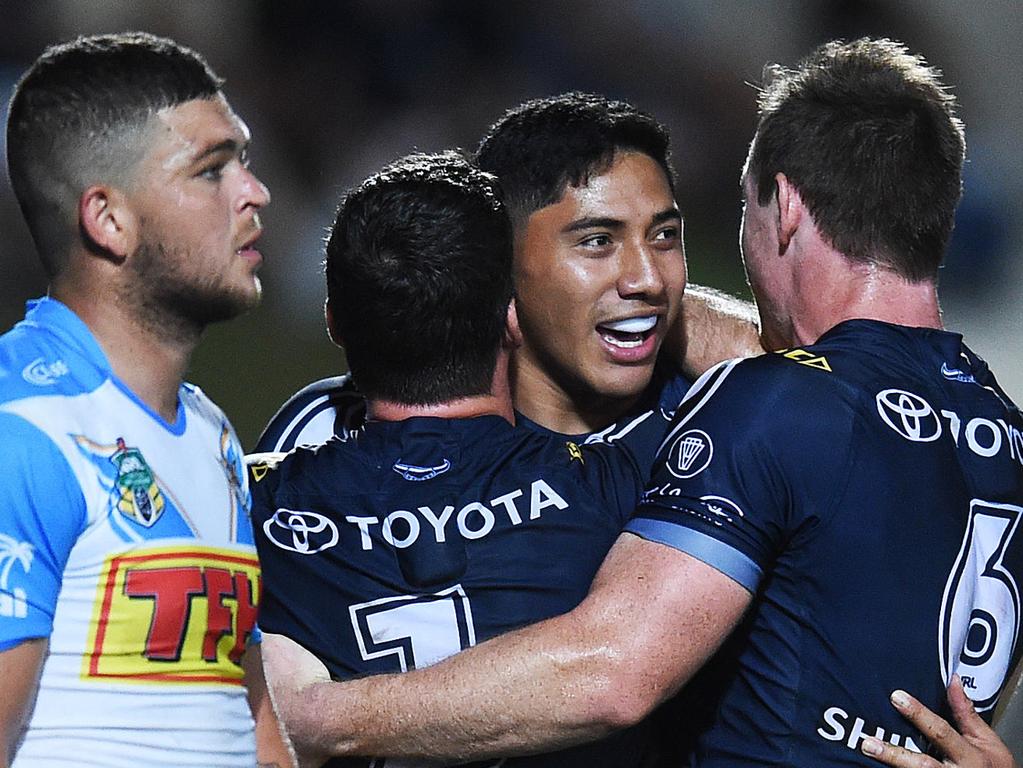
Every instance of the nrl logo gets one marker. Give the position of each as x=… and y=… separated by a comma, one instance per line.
x=140, y=499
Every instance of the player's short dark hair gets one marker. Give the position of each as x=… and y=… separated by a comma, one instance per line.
x=867, y=133
x=77, y=117
x=541, y=147
x=419, y=279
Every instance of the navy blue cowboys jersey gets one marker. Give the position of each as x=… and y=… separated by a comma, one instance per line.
x=868, y=491
x=334, y=406
x=412, y=540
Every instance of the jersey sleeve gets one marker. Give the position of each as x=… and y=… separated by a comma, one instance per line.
x=42, y=513
x=314, y=414
x=743, y=467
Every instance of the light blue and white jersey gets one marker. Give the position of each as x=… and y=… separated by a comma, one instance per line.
x=126, y=541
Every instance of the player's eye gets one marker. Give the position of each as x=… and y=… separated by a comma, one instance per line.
x=213, y=172
x=596, y=241
x=668, y=235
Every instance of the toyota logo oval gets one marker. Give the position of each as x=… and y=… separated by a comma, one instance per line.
x=303, y=532
x=909, y=415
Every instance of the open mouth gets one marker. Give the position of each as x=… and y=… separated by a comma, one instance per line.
x=629, y=333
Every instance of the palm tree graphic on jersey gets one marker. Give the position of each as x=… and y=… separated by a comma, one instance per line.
x=13, y=603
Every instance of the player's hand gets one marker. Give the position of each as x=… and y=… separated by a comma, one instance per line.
x=973, y=745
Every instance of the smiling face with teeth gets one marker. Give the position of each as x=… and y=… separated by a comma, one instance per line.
x=599, y=277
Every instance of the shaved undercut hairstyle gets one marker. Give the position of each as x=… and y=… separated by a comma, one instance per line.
x=541, y=147
x=79, y=117
x=419, y=280
x=868, y=135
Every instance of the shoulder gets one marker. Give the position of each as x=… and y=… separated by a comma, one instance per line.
x=314, y=414
x=776, y=395
x=34, y=362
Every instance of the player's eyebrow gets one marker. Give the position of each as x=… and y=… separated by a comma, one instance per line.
x=594, y=222
x=668, y=214
x=230, y=146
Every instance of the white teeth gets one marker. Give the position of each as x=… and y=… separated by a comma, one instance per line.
x=621, y=342
x=632, y=325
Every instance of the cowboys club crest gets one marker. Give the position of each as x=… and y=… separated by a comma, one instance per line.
x=140, y=498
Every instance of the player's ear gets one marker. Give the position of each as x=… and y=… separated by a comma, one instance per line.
x=106, y=222
x=332, y=331
x=512, y=332
x=790, y=209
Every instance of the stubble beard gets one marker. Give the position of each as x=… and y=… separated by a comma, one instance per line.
x=176, y=305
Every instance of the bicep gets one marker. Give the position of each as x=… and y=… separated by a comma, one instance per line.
x=667, y=610
x=19, y=669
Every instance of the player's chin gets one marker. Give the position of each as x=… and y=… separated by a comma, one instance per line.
x=624, y=381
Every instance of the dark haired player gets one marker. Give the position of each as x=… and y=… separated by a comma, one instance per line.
x=826, y=524
x=599, y=274
x=128, y=572
x=440, y=524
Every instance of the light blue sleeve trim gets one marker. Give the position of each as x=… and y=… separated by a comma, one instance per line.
x=718, y=555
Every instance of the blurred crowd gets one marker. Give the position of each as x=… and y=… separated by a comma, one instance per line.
x=333, y=90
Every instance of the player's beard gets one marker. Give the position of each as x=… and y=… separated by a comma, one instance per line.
x=177, y=304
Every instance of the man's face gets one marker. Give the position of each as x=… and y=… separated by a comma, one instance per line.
x=599, y=278
x=197, y=212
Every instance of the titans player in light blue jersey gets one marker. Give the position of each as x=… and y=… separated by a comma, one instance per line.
x=599, y=276
x=826, y=524
x=440, y=524
x=129, y=582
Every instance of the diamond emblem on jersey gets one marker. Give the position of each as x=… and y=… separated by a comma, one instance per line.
x=140, y=499
x=418, y=474
x=909, y=415
x=13, y=602
x=690, y=454
x=306, y=533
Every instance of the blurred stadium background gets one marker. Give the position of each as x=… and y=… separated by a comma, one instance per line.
x=332, y=90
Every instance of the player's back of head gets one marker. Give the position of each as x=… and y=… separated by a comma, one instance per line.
x=539, y=148
x=867, y=133
x=79, y=116
x=419, y=280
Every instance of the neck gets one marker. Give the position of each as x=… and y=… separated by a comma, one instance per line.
x=151, y=363
x=496, y=402
x=861, y=291
x=463, y=408
x=544, y=402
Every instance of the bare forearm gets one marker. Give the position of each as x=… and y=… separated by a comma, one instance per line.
x=20, y=667
x=519, y=693
x=714, y=327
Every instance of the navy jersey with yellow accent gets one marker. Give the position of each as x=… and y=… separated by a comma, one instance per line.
x=412, y=540
x=868, y=491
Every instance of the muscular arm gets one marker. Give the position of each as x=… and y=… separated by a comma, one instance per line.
x=653, y=616
x=271, y=745
x=19, y=669
x=712, y=327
